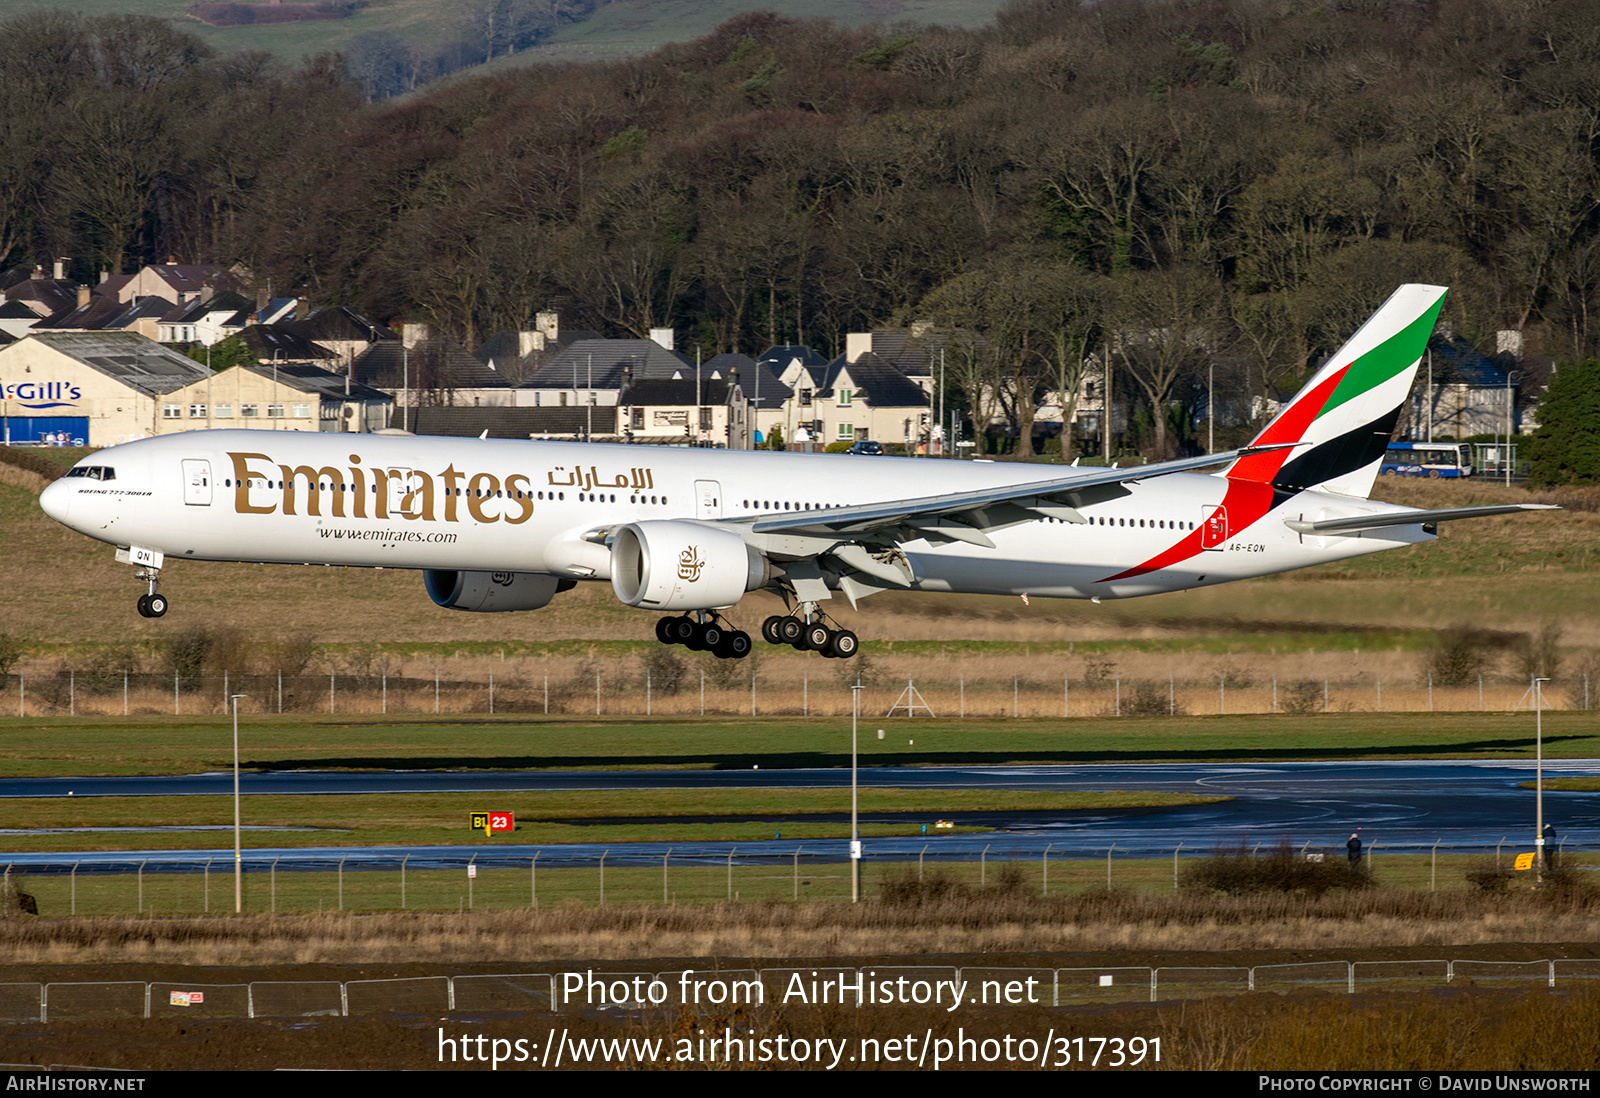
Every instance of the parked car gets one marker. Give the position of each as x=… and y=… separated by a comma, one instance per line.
x=868, y=447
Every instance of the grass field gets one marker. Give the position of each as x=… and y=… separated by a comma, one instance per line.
x=166, y=745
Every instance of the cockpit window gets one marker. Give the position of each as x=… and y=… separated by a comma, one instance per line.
x=93, y=472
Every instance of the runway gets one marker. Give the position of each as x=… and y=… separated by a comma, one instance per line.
x=1396, y=804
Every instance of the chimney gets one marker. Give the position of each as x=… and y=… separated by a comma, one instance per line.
x=302, y=308
x=662, y=336
x=857, y=344
x=413, y=332
x=83, y=296
x=1508, y=341
x=261, y=301
x=61, y=268
x=529, y=342
x=206, y=290
x=549, y=324
x=105, y=273
x=38, y=271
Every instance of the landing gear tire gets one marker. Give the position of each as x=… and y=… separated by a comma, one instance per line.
x=791, y=631
x=845, y=644
x=157, y=605
x=770, y=629
x=710, y=637
x=679, y=630
x=734, y=645
x=662, y=625
x=818, y=637
x=144, y=606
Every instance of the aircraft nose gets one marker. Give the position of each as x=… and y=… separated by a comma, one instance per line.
x=56, y=500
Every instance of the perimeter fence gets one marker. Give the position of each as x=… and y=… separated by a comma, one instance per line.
x=631, y=686
x=182, y=883
x=557, y=992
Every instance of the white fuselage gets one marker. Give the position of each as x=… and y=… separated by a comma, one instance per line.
x=515, y=506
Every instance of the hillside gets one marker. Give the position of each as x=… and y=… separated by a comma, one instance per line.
x=615, y=30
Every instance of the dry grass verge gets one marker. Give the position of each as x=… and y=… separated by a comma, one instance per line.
x=995, y=920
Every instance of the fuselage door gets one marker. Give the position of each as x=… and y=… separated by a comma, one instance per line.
x=197, y=482
x=1213, y=526
x=707, y=499
x=399, y=482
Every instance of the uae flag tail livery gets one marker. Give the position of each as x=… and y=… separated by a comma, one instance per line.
x=1342, y=420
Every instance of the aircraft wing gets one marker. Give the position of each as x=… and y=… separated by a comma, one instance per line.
x=965, y=516
x=1409, y=518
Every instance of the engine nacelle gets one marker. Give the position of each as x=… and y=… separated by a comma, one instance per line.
x=677, y=565
x=488, y=592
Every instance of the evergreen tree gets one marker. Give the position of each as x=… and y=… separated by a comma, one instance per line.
x=1566, y=447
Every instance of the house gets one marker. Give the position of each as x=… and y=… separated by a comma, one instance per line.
x=682, y=411
x=291, y=396
x=517, y=354
x=426, y=372
x=343, y=331
x=179, y=283
x=595, y=371
x=206, y=321
x=1461, y=392
x=45, y=296
x=848, y=400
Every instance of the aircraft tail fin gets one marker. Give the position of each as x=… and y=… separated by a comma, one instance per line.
x=1341, y=421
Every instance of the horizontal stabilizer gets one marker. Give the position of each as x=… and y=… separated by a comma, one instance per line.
x=1409, y=518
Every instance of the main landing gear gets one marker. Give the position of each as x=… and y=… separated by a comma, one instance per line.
x=153, y=604
x=806, y=631
x=704, y=631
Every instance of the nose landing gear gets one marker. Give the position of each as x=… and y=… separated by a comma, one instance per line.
x=152, y=604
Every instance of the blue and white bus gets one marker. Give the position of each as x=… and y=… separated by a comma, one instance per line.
x=1427, y=459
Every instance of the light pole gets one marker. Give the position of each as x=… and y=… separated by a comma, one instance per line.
x=1538, y=778
x=1511, y=404
x=238, y=860
x=855, y=833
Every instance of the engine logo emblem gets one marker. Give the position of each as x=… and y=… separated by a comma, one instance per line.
x=689, y=564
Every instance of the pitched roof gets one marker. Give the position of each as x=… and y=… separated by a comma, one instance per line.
x=128, y=357
x=877, y=382
x=1454, y=357
x=314, y=379
x=273, y=342
x=428, y=364
x=53, y=295
x=598, y=364
x=107, y=314
x=915, y=351
x=225, y=302
x=513, y=422
x=677, y=392
x=339, y=323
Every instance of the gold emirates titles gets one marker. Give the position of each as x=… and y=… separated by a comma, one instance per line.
x=420, y=493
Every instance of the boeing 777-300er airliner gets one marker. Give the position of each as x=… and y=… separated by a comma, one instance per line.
x=506, y=525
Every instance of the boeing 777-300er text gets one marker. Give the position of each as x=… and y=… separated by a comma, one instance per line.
x=506, y=525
